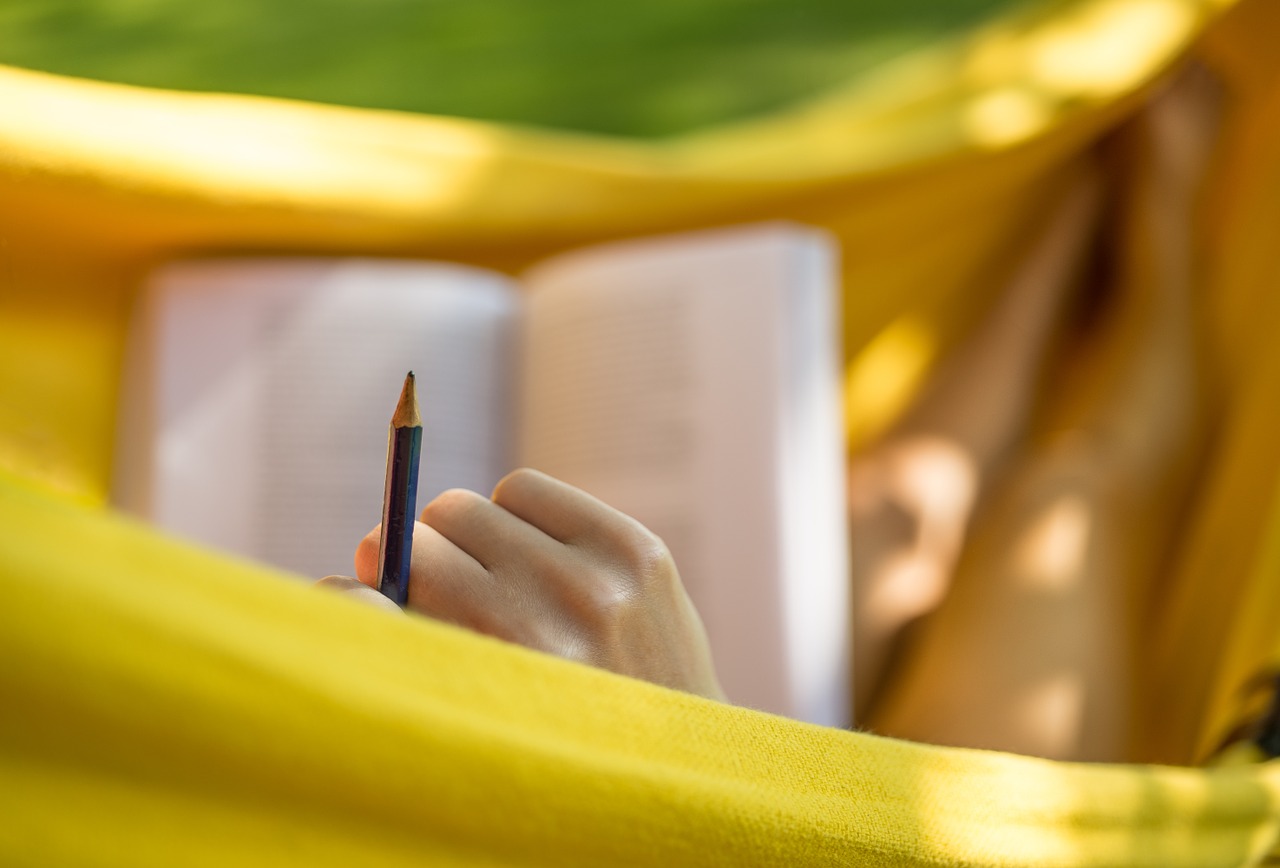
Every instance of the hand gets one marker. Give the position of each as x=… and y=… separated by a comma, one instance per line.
x=547, y=566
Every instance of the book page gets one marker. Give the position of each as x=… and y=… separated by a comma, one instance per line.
x=261, y=392
x=692, y=382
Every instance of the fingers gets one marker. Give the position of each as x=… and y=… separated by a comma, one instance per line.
x=444, y=581
x=357, y=590
x=569, y=514
x=485, y=530
x=539, y=542
x=447, y=583
x=550, y=567
x=528, y=509
x=367, y=557
x=524, y=570
x=479, y=564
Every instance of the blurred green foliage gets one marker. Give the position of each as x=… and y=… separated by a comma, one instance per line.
x=646, y=68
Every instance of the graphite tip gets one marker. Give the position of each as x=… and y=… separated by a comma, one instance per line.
x=407, y=414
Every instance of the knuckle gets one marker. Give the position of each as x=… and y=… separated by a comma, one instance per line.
x=515, y=483
x=594, y=593
x=606, y=601
x=601, y=608
x=645, y=553
x=450, y=504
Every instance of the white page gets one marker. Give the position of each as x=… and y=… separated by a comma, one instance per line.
x=693, y=383
x=259, y=394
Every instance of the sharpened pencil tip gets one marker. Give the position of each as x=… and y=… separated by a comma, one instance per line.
x=407, y=414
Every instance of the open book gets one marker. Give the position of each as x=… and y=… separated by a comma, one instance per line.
x=690, y=381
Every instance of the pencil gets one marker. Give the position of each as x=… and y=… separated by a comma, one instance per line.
x=399, y=499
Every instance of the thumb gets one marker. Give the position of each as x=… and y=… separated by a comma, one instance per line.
x=356, y=590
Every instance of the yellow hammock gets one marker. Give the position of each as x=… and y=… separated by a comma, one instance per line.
x=164, y=705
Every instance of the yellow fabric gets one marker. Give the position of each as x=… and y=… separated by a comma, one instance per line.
x=166, y=706
x=1222, y=622
x=177, y=708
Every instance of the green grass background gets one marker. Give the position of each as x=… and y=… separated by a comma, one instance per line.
x=630, y=68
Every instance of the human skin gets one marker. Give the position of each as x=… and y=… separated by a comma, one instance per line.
x=1035, y=648
x=545, y=565
x=912, y=493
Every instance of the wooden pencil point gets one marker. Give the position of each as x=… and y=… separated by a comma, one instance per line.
x=407, y=414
